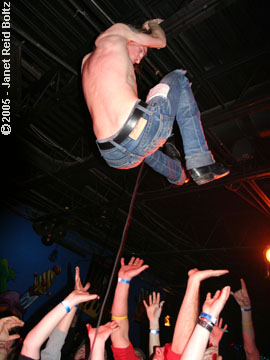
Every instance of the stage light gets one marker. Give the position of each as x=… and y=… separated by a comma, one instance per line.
x=266, y=255
x=167, y=321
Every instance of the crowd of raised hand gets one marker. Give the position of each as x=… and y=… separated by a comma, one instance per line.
x=196, y=336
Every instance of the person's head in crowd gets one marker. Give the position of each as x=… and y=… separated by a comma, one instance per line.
x=81, y=353
x=10, y=306
x=160, y=352
x=139, y=353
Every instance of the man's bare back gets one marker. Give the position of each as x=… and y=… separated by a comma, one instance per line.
x=108, y=77
x=119, y=119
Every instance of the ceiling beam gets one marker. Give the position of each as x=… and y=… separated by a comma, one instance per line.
x=233, y=178
x=195, y=12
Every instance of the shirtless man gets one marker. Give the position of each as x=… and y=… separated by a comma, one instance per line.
x=129, y=131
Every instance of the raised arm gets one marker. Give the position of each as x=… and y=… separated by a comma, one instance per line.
x=212, y=307
x=156, y=39
x=216, y=336
x=248, y=333
x=188, y=313
x=98, y=337
x=126, y=273
x=57, y=338
x=40, y=333
x=153, y=311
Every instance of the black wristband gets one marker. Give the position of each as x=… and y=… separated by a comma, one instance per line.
x=205, y=324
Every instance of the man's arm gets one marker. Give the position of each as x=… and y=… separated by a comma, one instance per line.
x=98, y=338
x=126, y=273
x=57, y=338
x=40, y=333
x=156, y=39
x=197, y=344
x=188, y=313
x=215, y=337
x=153, y=311
x=248, y=333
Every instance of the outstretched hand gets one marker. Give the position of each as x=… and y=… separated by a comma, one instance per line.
x=78, y=283
x=134, y=268
x=217, y=333
x=6, y=324
x=197, y=276
x=78, y=296
x=104, y=331
x=241, y=296
x=154, y=308
x=213, y=306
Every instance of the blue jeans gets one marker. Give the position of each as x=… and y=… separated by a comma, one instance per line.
x=160, y=114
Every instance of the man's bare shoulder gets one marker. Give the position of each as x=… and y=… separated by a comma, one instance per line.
x=119, y=30
x=84, y=60
x=122, y=32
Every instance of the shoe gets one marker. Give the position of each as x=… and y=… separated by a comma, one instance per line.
x=205, y=174
x=171, y=150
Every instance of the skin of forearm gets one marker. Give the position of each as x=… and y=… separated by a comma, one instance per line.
x=248, y=332
x=65, y=323
x=197, y=344
x=157, y=31
x=37, y=336
x=154, y=324
x=120, y=338
x=120, y=301
x=187, y=318
x=97, y=352
x=154, y=339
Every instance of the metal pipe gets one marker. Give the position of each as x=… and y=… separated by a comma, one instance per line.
x=42, y=48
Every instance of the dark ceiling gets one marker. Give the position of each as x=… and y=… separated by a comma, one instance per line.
x=54, y=172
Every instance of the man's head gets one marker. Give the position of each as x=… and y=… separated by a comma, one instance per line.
x=139, y=353
x=80, y=353
x=159, y=352
x=136, y=52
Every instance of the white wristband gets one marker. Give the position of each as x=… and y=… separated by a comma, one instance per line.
x=65, y=303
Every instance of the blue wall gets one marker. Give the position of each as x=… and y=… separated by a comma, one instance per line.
x=26, y=255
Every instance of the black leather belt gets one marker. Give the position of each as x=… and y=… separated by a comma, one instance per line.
x=126, y=130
